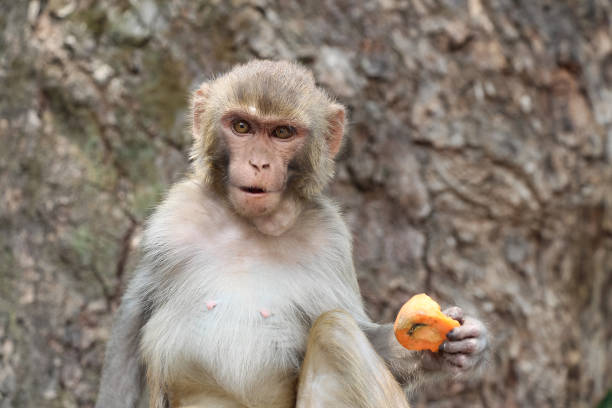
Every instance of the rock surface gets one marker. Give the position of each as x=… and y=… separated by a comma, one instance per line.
x=478, y=169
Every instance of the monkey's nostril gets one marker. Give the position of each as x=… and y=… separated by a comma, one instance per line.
x=258, y=166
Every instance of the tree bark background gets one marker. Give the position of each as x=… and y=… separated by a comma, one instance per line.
x=478, y=168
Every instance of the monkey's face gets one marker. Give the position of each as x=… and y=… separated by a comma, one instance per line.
x=265, y=136
x=260, y=151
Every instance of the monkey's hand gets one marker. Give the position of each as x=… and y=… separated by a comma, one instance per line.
x=465, y=348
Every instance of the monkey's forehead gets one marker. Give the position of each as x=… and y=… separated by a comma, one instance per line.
x=272, y=89
x=285, y=71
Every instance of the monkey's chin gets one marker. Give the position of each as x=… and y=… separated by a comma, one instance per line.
x=252, y=205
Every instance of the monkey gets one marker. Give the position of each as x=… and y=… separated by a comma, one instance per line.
x=246, y=294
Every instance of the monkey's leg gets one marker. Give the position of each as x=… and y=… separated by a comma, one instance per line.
x=157, y=395
x=342, y=369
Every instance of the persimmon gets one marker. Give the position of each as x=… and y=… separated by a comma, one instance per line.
x=421, y=325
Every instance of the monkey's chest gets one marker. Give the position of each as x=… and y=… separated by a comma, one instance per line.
x=232, y=337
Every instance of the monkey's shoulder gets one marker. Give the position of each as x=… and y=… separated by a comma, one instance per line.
x=189, y=202
x=188, y=213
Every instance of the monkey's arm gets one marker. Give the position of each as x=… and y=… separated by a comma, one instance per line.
x=406, y=366
x=464, y=351
x=122, y=377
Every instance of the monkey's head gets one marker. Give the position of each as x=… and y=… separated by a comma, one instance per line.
x=264, y=132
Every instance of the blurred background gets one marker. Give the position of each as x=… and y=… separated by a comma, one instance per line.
x=478, y=169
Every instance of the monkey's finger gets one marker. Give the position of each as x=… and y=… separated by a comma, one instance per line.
x=432, y=361
x=459, y=360
x=467, y=346
x=455, y=312
x=470, y=328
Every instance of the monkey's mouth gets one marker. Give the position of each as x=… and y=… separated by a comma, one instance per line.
x=253, y=190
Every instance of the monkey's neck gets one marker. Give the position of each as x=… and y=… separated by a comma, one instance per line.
x=283, y=218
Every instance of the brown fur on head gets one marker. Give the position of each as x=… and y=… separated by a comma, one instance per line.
x=276, y=90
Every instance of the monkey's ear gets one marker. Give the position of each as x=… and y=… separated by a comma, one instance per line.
x=335, y=130
x=198, y=107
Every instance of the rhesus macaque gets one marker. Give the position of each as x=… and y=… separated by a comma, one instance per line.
x=247, y=295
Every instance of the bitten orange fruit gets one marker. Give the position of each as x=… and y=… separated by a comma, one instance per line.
x=421, y=325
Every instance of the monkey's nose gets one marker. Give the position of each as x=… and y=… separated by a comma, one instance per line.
x=259, y=165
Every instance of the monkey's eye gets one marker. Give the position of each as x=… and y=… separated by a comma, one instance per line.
x=283, y=132
x=241, y=126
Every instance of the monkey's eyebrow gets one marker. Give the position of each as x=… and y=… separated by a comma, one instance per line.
x=265, y=120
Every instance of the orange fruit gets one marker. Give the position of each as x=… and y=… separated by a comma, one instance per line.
x=421, y=325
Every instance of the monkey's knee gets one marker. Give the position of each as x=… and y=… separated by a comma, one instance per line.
x=346, y=349
x=341, y=368
x=335, y=328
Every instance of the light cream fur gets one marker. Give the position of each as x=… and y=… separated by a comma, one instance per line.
x=199, y=251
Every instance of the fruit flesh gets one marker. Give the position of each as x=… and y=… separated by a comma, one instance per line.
x=421, y=325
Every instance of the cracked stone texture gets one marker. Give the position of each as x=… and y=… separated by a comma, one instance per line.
x=478, y=169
